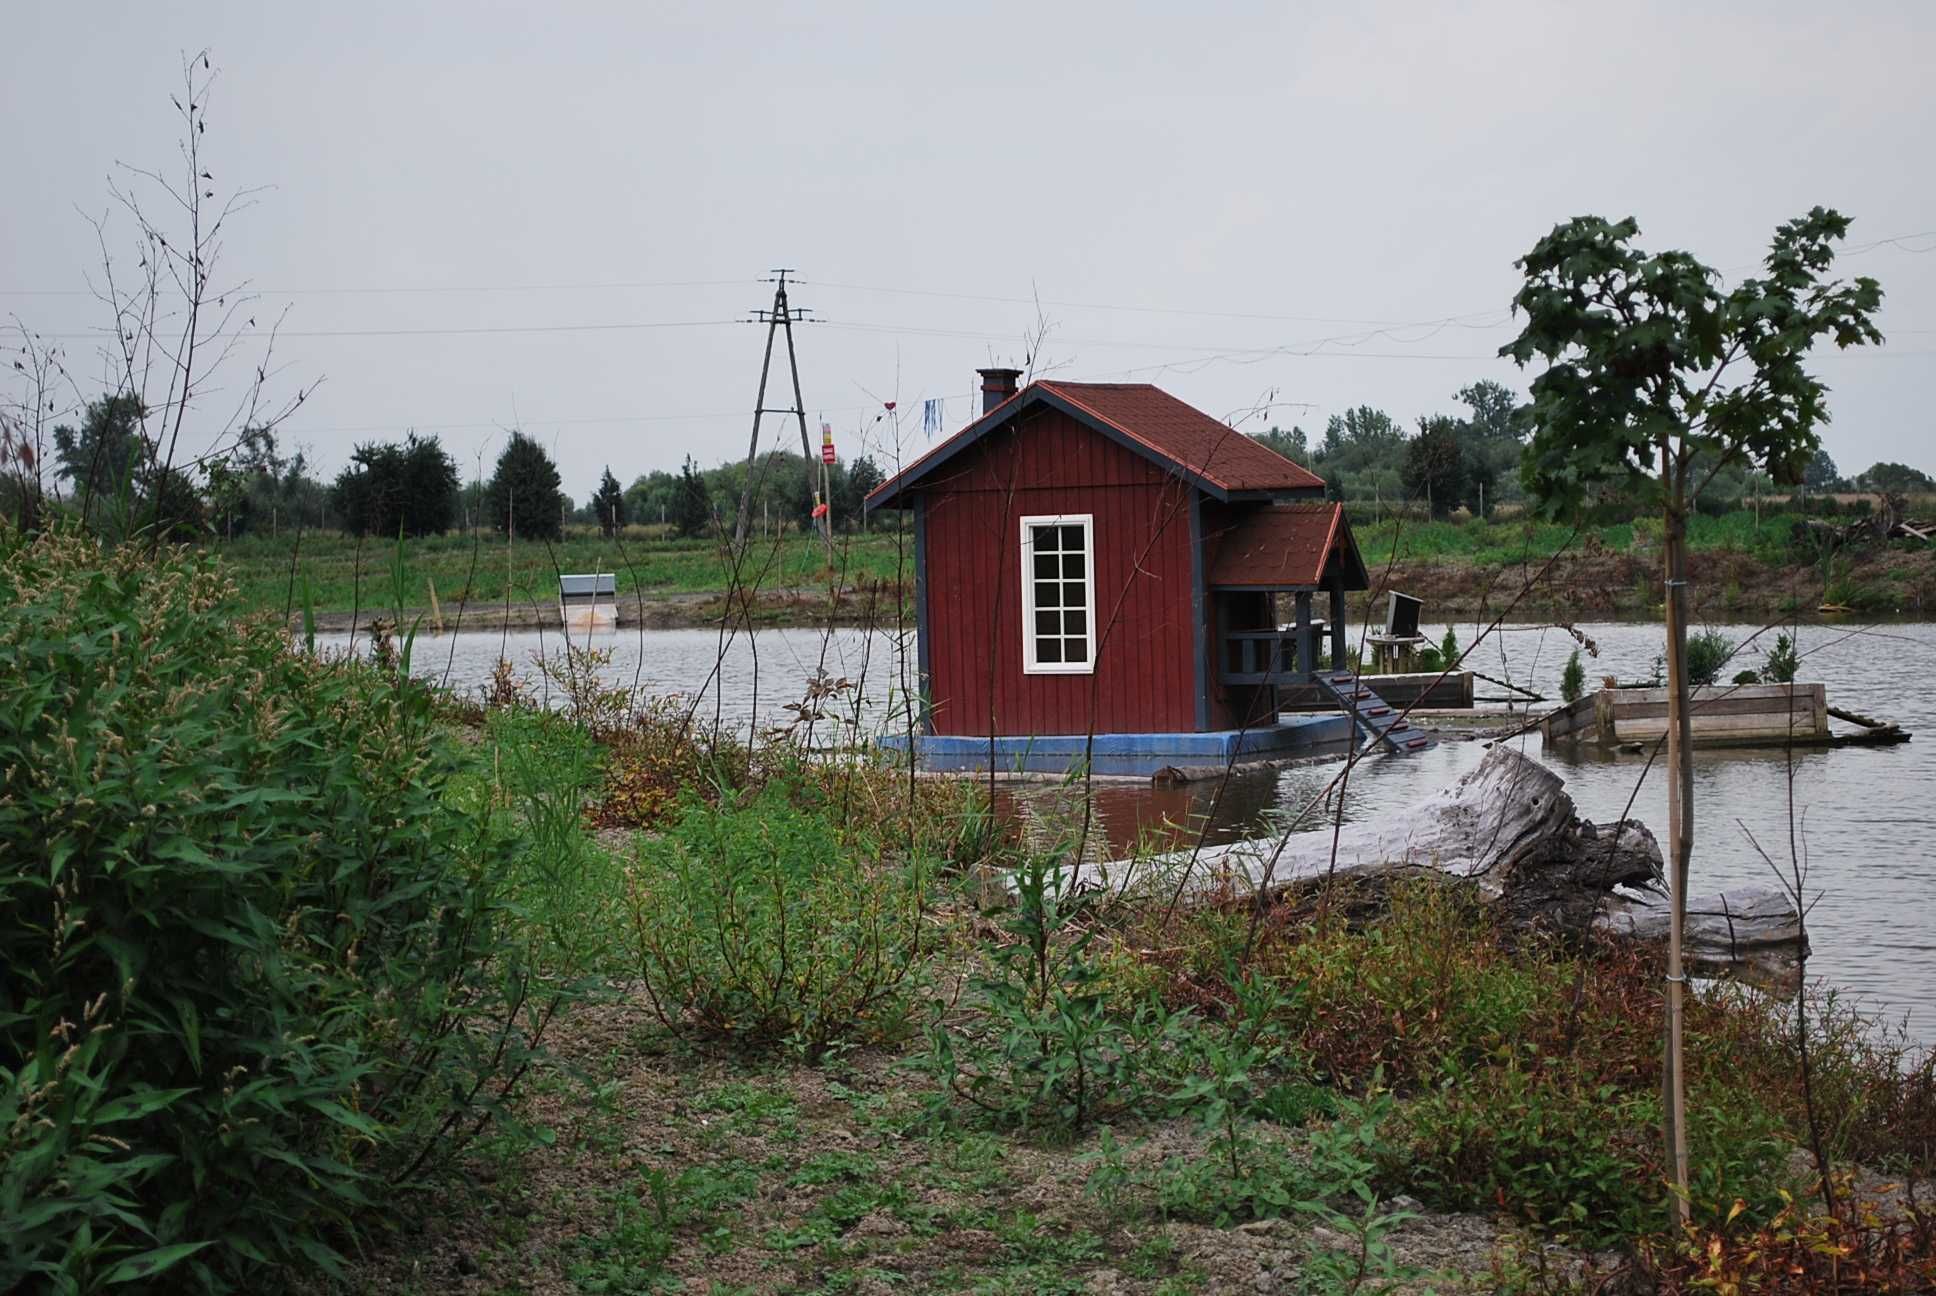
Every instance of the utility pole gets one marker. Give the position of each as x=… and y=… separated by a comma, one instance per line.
x=781, y=316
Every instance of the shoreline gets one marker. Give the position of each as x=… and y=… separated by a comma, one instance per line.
x=1727, y=586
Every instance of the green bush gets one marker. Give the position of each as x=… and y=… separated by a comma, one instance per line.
x=1782, y=661
x=1578, y=1158
x=1707, y=653
x=1573, y=678
x=765, y=924
x=256, y=966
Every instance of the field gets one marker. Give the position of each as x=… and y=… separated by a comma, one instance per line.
x=1743, y=566
x=343, y=573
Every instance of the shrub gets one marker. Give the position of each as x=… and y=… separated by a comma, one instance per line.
x=1707, y=653
x=765, y=924
x=655, y=758
x=1782, y=661
x=257, y=966
x=1577, y=1158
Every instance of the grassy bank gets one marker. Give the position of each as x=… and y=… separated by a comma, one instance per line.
x=343, y=574
x=318, y=978
x=831, y=1058
x=1742, y=568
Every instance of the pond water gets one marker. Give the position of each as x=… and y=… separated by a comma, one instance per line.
x=1867, y=816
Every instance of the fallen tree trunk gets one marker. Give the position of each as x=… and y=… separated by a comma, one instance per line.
x=1509, y=830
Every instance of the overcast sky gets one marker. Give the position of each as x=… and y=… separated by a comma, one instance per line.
x=1306, y=206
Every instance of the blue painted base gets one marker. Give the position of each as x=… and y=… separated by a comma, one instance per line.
x=1139, y=754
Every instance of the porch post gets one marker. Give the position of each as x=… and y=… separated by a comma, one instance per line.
x=1306, y=636
x=1336, y=584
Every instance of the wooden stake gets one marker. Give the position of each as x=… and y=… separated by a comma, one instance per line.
x=1680, y=811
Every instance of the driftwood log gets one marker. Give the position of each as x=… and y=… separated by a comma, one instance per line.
x=1509, y=830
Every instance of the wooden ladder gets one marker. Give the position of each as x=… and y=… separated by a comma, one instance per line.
x=1376, y=717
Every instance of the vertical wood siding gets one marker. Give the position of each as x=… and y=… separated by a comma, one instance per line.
x=1145, y=662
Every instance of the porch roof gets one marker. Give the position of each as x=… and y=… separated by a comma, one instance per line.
x=1287, y=547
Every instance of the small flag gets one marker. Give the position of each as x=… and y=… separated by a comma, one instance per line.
x=826, y=444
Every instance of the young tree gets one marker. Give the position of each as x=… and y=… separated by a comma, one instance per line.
x=523, y=495
x=692, y=505
x=179, y=317
x=609, y=504
x=1649, y=363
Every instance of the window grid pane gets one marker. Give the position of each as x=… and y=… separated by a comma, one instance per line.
x=1060, y=588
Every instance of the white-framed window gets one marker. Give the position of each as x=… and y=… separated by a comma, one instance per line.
x=1058, y=594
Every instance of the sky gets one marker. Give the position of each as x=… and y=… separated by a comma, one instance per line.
x=474, y=216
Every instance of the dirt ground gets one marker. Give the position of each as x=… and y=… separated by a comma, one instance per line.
x=672, y=1171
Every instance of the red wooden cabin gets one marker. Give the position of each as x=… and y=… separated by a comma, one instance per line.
x=1102, y=558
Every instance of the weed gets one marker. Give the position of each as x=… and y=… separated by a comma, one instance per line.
x=759, y=925
x=1039, y=1046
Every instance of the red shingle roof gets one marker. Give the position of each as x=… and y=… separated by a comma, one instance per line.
x=1177, y=435
x=1187, y=436
x=1285, y=546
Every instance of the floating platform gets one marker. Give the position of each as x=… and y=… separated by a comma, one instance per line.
x=1721, y=715
x=1137, y=755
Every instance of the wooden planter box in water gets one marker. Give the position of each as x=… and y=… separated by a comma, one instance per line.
x=1722, y=715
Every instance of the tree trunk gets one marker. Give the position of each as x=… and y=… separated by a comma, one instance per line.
x=1509, y=830
x=1680, y=819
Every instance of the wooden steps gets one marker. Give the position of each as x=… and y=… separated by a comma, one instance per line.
x=1376, y=719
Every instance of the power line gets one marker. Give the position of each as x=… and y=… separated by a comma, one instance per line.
x=101, y=334
x=426, y=289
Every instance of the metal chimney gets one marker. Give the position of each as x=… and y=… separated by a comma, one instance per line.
x=997, y=385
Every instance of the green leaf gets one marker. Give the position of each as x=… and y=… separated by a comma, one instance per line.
x=149, y=1263
x=136, y=1105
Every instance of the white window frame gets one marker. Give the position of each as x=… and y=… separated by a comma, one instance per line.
x=1087, y=521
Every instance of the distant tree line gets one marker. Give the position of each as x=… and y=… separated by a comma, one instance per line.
x=697, y=501
x=102, y=469
x=1471, y=461
x=1447, y=462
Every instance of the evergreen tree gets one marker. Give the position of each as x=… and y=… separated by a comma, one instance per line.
x=692, y=504
x=851, y=489
x=609, y=504
x=523, y=496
